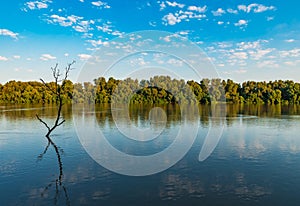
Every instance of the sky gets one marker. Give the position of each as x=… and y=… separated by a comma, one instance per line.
x=243, y=39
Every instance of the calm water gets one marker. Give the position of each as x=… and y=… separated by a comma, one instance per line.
x=256, y=162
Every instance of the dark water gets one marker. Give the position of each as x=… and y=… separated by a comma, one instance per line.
x=256, y=161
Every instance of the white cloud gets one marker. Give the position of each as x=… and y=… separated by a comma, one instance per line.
x=290, y=53
x=220, y=22
x=6, y=32
x=17, y=57
x=268, y=63
x=169, y=38
x=184, y=33
x=138, y=61
x=96, y=43
x=242, y=8
x=2, y=58
x=290, y=63
x=193, y=12
x=162, y=6
x=289, y=40
x=259, y=53
x=198, y=9
x=270, y=18
x=84, y=57
x=100, y=4
x=249, y=45
x=107, y=28
x=241, y=23
x=170, y=19
x=66, y=54
x=256, y=8
x=232, y=11
x=79, y=29
x=240, y=71
x=175, y=62
x=224, y=45
x=152, y=23
x=174, y=4
x=43, y=4
x=64, y=21
x=239, y=55
x=218, y=12
x=46, y=57
x=76, y=22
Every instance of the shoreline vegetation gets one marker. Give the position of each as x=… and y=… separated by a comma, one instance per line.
x=156, y=90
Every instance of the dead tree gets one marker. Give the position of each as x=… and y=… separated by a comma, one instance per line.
x=58, y=92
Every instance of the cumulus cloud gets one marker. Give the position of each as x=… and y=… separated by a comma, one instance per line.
x=100, y=4
x=96, y=43
x=175, y=62
x=64, y=21
x=192, y=12
x=6, y=32
x=108, y=29
x=259, y=53
x=162, y=6
x=76, y=22
x=165, y=4
x=2, y=58
x=239, y=55
x=241, y=23
x=17, y=57
x=32, y=5
x=290, y=40
x=268, y=63
x=174, y=4
x=168, y=38
x=250, y=45
x=290, y=53
x=84, y=57
x=171, y=19
x=198, y=9
x=46, y=57
x=256, y=8
x=232, y=11
x=218, y=12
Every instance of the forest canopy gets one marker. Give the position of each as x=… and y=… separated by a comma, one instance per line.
x=158, y=89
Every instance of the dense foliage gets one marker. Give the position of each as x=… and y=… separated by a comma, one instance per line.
x=159, y=89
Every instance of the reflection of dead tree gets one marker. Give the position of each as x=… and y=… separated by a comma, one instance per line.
x=58, y=92
x=58, y=182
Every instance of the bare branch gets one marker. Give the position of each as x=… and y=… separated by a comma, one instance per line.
x=48, y=87
x=37, y=116
x=61, y=122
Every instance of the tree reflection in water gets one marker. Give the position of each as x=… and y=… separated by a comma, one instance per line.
x=59, y=185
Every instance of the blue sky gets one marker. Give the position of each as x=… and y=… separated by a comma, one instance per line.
x=245, y=40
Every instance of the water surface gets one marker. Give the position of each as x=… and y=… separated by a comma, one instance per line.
x=256, y=161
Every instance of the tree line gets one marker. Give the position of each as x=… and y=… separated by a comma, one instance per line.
x=158, y=90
